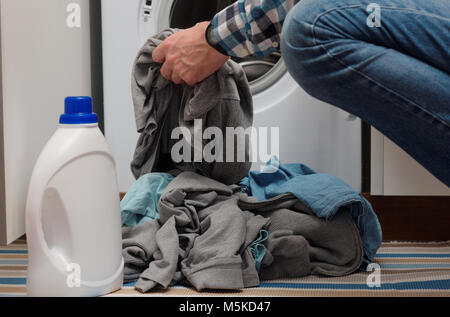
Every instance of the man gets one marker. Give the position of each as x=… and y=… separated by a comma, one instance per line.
x=387, y=62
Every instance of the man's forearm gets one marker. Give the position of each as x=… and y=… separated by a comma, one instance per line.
x=251, y=27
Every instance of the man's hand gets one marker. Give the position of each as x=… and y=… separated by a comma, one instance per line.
x=187, y=57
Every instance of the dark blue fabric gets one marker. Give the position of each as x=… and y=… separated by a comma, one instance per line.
x=324, y=194
x=396, y=77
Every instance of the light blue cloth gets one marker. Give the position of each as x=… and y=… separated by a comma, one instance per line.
x=140, y=204
x=324, y=194
x=258, y=249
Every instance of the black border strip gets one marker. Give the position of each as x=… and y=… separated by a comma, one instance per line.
x=95, y=9
x=365, y=157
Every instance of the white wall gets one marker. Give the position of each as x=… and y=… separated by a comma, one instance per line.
x=43, y=61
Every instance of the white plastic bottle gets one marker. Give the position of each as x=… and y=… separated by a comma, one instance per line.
x=73, y=211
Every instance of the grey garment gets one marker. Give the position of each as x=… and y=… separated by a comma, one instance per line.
x=146, y=247
x=203, y=237
x=138, y=248
x=222, y=100
x=300, y=243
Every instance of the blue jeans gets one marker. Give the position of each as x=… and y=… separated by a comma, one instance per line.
x=395, y=77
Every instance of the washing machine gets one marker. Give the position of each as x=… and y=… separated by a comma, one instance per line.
x=300, y=128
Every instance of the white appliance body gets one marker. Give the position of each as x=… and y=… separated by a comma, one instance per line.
x=310, y=131
x=395, y=173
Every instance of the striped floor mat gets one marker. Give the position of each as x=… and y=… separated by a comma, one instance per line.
x=406, y=269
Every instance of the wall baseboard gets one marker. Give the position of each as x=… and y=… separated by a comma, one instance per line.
x=413, y=218
x=410, y=218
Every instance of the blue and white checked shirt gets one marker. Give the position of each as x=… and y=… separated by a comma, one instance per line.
x=251, y=27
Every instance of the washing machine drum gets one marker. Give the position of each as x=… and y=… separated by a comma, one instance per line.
x=185, y=14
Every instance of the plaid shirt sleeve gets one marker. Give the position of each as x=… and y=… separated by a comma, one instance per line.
x=251, y=27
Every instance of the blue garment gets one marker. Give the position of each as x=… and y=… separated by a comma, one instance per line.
x=140, y=204
x=324, y=194
x=385, y=61
x=258, y=249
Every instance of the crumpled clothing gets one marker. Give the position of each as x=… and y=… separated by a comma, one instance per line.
x=206, y=231
x=324, y=194
x=300, y=243
x=222, y=100
x=202, y=236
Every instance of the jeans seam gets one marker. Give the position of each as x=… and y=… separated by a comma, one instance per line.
x=410, y=102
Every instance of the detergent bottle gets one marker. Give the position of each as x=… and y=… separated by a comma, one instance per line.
x=73, y=224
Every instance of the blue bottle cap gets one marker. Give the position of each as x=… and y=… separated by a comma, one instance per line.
x=78, y=110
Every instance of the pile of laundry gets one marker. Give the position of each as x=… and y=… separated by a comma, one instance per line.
x=218, y=225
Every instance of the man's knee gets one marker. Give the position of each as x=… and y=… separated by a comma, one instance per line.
x=298, y=45
x=304, y=55
x=297, y=27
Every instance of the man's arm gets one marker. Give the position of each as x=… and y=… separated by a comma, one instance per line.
x=247, y=27
x=251, y=27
